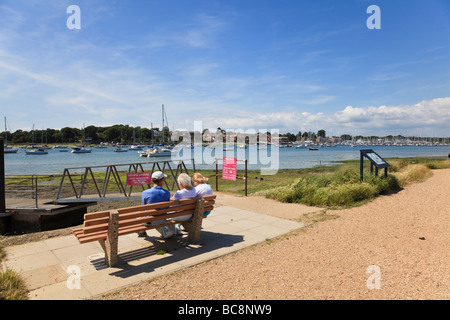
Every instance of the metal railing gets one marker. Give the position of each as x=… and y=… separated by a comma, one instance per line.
x=18, y=188
x=113, y=171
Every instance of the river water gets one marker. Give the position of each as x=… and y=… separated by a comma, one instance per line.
x=271, y=158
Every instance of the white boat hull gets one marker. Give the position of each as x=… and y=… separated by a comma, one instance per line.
x=35, y=152
x=161, y=154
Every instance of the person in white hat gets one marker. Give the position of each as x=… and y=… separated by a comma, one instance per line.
x=155, y=194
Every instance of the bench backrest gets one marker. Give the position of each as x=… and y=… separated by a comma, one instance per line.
x=98, y=221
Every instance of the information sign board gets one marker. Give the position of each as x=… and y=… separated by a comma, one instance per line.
x=375, y=161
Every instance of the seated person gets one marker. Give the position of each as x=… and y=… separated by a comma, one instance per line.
x=202, y=188
x=186, y=191
x=155, y=194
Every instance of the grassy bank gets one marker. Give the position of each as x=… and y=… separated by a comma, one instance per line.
x=12, y=286
x=342, y=187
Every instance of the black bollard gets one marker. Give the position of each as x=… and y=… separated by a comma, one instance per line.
x=2, y=178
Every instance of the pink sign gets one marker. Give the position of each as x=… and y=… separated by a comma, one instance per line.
x=229, y=168
x=139, y=178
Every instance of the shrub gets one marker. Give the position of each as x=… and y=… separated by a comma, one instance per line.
x=337, y=189
x=343, y=187
x=412, y=174
x=12, y=286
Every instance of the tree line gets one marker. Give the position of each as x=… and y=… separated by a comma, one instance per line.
x=117, y=134
x=125, y=134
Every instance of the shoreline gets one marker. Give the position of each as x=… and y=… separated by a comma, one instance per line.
x=55, y=162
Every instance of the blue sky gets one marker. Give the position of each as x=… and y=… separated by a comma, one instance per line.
x=287, y=65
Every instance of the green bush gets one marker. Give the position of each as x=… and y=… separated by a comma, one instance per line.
x=341, y=188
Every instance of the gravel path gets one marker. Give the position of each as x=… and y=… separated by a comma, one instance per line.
x=395, y=247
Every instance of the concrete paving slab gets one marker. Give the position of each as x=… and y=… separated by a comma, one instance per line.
x=61, y=268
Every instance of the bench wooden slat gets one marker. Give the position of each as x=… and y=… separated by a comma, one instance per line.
x=80, y=232
x=129, y=222
x=85, y=238
x=140, y=220
x=133, y=221
x=138, y=214
x=153, y=206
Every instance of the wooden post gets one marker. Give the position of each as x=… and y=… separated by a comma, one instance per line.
x=197, y=218
x=112, y=239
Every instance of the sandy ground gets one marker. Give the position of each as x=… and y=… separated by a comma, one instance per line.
x=396, y=247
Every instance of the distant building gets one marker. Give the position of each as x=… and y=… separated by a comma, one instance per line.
x=280, y=140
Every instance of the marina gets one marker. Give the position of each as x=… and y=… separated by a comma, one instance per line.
x=54, y=162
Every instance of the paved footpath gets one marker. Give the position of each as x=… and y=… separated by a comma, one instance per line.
x=62, y=269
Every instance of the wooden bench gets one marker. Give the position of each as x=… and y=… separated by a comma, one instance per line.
x=107, y=226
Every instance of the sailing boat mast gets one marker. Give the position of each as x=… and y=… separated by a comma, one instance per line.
x=6, y=136
x=164, y=117
x=162, y=128
x=7, y=149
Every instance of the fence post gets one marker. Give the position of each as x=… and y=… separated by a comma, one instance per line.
x=245, y=177
x=217, y=177
x=2, y=178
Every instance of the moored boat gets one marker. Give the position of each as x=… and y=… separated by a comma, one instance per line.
x=137, y=147
x=80, y=150
x=159, y=152
x=9, y=150
x=36, y=151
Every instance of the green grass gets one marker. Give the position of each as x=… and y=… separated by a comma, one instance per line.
x=341, y=186
x=12, y=286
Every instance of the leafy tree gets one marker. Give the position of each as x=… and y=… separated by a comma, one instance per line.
x=321, y=134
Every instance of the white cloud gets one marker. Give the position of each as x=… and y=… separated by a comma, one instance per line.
x=424, y=118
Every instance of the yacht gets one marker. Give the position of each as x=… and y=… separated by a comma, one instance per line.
x=36, y=151
x=159, y=152
x=80, y=150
